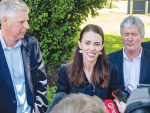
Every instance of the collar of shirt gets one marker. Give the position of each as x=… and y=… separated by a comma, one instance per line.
x=125, y=56
x=19, y=42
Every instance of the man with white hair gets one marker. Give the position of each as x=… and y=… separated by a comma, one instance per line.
x=133, y=61
x=23, y=80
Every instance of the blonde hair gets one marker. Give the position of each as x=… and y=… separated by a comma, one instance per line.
x=80, y=103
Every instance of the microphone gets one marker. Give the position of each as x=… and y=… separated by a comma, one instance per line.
x=57, y=98
x=110, y=106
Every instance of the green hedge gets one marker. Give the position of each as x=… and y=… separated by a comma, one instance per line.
x=55, y=23
x=51, y=91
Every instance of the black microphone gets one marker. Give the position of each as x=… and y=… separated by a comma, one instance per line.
x=57, y=98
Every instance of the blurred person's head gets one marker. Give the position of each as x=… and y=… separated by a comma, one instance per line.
x=132, y=31
x=90, y=50
x=80, y=103
x=14, y=19
x=138, y=101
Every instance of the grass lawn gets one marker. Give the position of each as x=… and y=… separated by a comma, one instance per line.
x=114, y=43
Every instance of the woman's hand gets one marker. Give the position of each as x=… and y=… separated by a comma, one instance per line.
x=121, y=106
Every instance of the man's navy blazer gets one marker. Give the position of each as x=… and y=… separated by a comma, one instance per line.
x=65, y=85
x=35, y=79
x=117, y=58
x=146, y=45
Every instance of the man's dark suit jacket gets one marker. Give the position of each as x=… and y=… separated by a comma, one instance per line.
x=35, y=79
x=117, y=58
x=146, y=45
x=65, y=85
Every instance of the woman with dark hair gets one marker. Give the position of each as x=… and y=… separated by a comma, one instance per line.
x=90, y=72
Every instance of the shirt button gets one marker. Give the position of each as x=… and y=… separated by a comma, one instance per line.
x=14, y=102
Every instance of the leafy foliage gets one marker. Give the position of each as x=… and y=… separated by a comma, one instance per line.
x=51, y=91
x=55, y=23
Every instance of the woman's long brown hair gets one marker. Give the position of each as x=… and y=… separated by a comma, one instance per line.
x=100, y=74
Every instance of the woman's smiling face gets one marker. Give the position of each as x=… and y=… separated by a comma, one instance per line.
x=91, y=45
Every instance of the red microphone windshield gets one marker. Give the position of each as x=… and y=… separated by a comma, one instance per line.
x=110, y=106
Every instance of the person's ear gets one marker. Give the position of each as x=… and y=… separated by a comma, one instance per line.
x=103, y=45
x=5, y=20
x=79, y=44
x=142, y=38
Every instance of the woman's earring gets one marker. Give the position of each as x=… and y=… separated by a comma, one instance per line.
x=100, y=53
x=80, y=51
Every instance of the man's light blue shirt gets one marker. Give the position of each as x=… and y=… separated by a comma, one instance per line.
x=15, y=64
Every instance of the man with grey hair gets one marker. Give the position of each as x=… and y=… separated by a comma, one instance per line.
x=133, y=61
x=23, y=80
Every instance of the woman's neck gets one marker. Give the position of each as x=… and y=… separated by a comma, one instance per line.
x=88, y=66
x=88, y=69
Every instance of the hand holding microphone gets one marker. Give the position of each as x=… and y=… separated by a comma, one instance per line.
x=110, y=106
